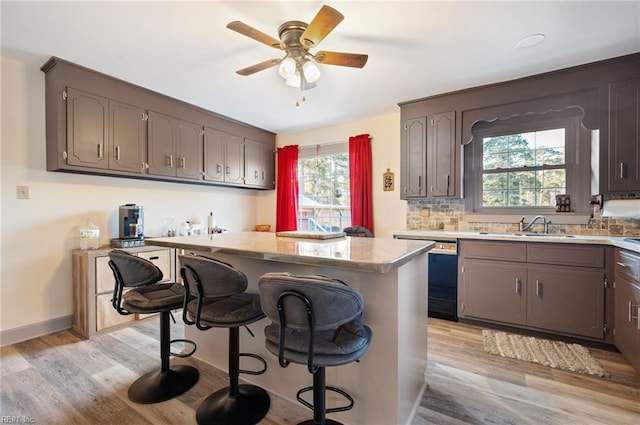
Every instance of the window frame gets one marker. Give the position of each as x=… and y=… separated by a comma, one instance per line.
x=577, y=160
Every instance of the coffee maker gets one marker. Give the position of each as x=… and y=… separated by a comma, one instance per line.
x=131, y=222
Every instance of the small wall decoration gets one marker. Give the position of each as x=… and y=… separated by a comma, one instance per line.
x=387, y=181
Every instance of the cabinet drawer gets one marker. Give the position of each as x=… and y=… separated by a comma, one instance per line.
x=162, y=259
x=566, y=254
x=494, y=250
x=627, y=265
x=106, y=315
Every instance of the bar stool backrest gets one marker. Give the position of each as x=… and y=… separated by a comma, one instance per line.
x=132, y=271
x=211, y=278
x=334, y=303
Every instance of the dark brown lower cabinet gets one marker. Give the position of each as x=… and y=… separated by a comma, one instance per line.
x=566, y=299
x=505, y=282
x=493, y=290
x=627, y=306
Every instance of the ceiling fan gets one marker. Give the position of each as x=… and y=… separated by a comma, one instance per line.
x=298, y=66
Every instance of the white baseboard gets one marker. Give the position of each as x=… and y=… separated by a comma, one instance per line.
x=23, y=333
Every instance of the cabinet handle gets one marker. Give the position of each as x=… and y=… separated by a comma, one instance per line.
x=631, y=316
x=155, y=257
x=263, y=175
x=621, y=166
x=517, y=285
x=183, y=162
x=228, y=170
x=448, y=183
x=621, y=264
x=256, y=174
x=170, y=161
x=100, y=150
x=638, y=320
x=218, y=168
x=419, y=182
x=117, y=153
x=538, y=288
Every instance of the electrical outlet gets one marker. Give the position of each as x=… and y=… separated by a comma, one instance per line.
x=22, y=192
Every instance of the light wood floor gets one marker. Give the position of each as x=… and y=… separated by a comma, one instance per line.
x=61, y=379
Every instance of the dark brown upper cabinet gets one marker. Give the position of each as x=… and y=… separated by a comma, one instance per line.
x=127, y=137
x=413, y=146
x=606, y=94
x=259, y=159
x=442, y=155
x=97, y=124
x=624, y=136
x=87, y=129
x=175, y=147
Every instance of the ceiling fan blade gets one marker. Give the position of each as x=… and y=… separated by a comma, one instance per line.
x=258, y=67
x=257, y=35
x=323, y=23
x=354, y=60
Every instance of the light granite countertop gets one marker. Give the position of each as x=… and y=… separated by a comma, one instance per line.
x=379, y=255
x=617, y=241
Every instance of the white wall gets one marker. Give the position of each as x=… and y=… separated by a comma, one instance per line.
x=389, y=212
x=38, y=234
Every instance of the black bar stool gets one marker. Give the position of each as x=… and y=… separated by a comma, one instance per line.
x=216, y=297
x=316, y=321
x=145, y=295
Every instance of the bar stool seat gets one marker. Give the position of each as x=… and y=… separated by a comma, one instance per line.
x=216, y=297
x=146, y=295
x=316, y=321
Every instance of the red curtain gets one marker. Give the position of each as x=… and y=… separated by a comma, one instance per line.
x=287, y=189
x=360, y=181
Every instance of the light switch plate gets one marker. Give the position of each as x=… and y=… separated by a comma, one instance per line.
x=22, y=192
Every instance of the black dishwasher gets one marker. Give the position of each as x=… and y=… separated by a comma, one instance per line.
x=443, y=278
x=443, y=281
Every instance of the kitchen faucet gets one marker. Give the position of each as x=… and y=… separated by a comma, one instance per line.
x=525, y=227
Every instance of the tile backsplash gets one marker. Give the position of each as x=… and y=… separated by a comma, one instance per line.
x=449, y=214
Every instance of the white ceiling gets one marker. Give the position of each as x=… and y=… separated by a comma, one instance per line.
x=416, y=49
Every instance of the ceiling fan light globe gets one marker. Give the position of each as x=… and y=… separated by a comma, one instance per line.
x=287, y=68
x=311, y=71
x=294, y=80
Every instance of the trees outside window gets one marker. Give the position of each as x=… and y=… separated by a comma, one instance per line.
x=324, y=200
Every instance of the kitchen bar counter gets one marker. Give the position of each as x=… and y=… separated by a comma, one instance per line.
x=617, y=241
x=389, y=381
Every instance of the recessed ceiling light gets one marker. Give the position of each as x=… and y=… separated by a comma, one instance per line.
x=530, y=41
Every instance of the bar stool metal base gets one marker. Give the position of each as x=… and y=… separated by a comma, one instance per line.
x=156, y=386
x=247, y=408
x=326, y=422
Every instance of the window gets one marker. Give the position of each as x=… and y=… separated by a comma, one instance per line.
x=521, y=164
x=523, y=169
x=323, y=178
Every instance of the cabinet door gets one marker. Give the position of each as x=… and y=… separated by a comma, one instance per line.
x=259, y=164
x=189, y=150
x=624, y=136
x=234, y=159
x=105, y=281
x=161, y=145
x=128, y=132
x=107, y=316
x=214, y=142
x=441, y=153
x=492, y=290
x=627, y=324
x=413, y=147
x=87, y=129
x=566, y=299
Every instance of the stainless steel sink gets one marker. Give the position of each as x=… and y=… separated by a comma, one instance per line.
x=533, y=235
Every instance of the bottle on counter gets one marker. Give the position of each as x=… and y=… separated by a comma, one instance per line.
x=89, y=235
x=211, y=223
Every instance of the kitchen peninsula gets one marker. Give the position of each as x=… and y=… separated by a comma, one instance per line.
x=388, y=382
